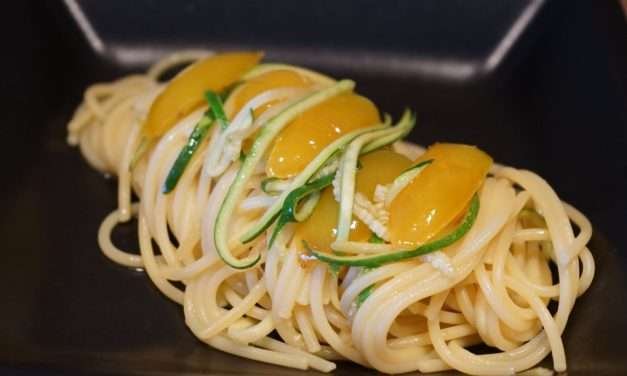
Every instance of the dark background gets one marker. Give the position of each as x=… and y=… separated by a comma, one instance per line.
x=539, y=85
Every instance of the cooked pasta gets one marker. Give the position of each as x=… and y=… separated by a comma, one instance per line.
x=300, y=245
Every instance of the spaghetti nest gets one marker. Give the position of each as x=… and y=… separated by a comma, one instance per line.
x=493, y=286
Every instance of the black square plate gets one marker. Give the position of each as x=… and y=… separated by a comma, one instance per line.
x=538, y=85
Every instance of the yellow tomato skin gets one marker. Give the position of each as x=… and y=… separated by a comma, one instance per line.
x=280, y=78
x=316, y=128
x=378, y=167
x=185, y=92
x=320, y=229
x=439, y=194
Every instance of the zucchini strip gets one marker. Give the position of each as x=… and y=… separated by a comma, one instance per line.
x=217, y=108
x=364, y=294
x=266, y=135
x=375, y=239
x=215, y=112
x=403, y=127
x=187, y=152
x=311, y=170
x=273, y=186
x=320, y=164
x=307, y=208
x=348, y=168
x=228, y=144
x=288, y=211
x=403, y=179
x=373, y=261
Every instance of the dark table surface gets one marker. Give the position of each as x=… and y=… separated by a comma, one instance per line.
x=553, y=101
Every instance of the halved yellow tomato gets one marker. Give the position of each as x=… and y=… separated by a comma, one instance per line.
x=378, y=167
x=439, y=194
x=279, y=78
x=316, y=128
x=185, y=92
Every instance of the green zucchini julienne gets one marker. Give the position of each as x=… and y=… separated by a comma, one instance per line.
x=266, y=135
x=372, y=261
x=364, y=294
x=215, y=104
x=313, y=169
x=348, y=171
x=403, y=127
x=146, y=143
x=268, y=185
x=363, y=144
x=320, y=163
x=305, y=210
x=375, y=239
x=288, y=210
x=417, y=165
x=401, y=181
x=187, y=152
x=215, y=111
x=335, y=269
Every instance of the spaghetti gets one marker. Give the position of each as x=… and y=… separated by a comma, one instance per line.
x=282, y=303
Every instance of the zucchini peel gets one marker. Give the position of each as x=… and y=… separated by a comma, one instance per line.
x=268, y=133
x=289, y=209
x=373, y=261
x=403, y=180
x=313, y=169
x=187, y=152
x=348, y=167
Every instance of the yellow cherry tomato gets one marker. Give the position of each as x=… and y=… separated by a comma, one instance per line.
x=185, y=92
x=274, y=79
x=378, y=167
x=316, y=128
x=439, y=194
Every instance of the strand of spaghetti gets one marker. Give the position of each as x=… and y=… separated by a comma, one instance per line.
x=109, y=249
x=185, y=221
x=306, y=329
x=252, y=333
x=267, y=356
x=303, y=294
x=124, y=174
x=450, y=333
x=234, y=299
x=287, y=286
x=222, y=322
x=446, y=317
x=320, y=321
x=314, y=361
x=288, y=333
x=150, y=263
